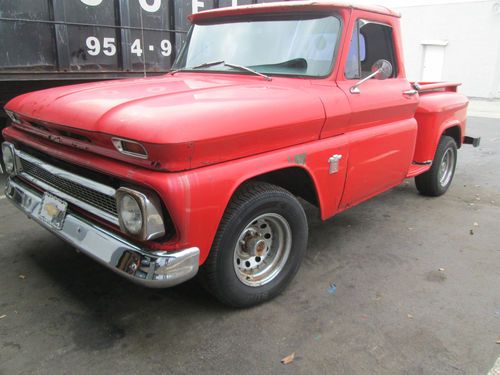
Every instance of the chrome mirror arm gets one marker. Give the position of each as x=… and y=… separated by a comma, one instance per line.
x=382, y=69
x=355, y=89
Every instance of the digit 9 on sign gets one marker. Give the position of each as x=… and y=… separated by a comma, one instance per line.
x=166, y=47
x=93, y=45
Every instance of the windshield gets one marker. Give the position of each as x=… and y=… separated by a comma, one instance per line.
x=299, y=45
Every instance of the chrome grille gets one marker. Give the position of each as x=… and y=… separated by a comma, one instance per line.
x=94, y=198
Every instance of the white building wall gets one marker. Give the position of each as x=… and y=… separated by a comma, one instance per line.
x=471, y=32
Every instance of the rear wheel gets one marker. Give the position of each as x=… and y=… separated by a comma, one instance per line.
x=437, y=180
x=258, y=248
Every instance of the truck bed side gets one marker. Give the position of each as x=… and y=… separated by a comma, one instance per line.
x=441, y=111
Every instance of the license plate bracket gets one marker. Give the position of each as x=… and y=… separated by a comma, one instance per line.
x=53, y=211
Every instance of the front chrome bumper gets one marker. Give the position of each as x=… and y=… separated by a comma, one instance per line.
x=151, y=269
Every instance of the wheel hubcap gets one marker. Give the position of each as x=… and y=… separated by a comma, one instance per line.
x=262, y=249
x=446, y=167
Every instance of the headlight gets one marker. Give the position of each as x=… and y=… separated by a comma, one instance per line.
x=9, y=158
x=130, y=214
x=139, y=214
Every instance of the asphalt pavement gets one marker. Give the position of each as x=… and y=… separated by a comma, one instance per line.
x=416, y=291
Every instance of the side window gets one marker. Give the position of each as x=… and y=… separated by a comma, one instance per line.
x=357, y=54
x=370, y=42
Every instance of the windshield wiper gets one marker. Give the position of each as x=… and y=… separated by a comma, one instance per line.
x=208, y=64
x=204, y=65
x=241, y=67
x=213, y=63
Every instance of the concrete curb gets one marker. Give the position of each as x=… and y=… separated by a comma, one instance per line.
x=484, y=108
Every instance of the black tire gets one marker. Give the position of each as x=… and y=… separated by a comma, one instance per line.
x=431, y=182
x=220, y=274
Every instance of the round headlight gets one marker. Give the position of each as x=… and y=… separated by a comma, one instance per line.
x=8, y=158
x=130, y=214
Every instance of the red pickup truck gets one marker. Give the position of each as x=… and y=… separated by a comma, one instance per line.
x=200, y=169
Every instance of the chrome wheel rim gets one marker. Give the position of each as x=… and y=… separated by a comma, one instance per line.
x=446, y=167
x=262, y=249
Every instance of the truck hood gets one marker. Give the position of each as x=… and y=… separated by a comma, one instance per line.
x=188, y=120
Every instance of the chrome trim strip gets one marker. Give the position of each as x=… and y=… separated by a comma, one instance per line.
x=71, y=199
x=151, y=269
x=334, y=163
x=91, y=184
x=427, y=162
x=58, y=172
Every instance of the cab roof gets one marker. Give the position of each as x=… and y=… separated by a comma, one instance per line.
x=284, y=6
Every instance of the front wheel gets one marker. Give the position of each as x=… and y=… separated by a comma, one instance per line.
x=437, y=180
x=258, y=248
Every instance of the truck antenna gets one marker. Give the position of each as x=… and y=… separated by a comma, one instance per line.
x=143, y=46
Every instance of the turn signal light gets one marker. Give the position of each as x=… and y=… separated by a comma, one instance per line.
x=13, y=116
x=130, y=148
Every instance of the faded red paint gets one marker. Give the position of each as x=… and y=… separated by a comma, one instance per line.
x=207, y=133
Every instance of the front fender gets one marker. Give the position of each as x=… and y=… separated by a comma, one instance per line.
x=198, y=198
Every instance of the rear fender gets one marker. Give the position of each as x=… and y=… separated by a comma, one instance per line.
x=428, y=142
x=439, y=114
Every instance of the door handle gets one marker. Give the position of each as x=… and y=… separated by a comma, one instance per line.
x=410, y=92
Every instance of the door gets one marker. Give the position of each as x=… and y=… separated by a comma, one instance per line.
x=432, y=69
x=382, y=129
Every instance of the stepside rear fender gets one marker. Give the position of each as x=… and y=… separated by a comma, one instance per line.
x=436, y=114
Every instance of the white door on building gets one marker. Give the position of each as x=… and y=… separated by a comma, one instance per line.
x=432, y=69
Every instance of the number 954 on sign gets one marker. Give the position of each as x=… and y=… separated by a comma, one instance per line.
x=108, y=47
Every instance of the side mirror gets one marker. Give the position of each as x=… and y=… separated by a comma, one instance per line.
x=381, y=69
